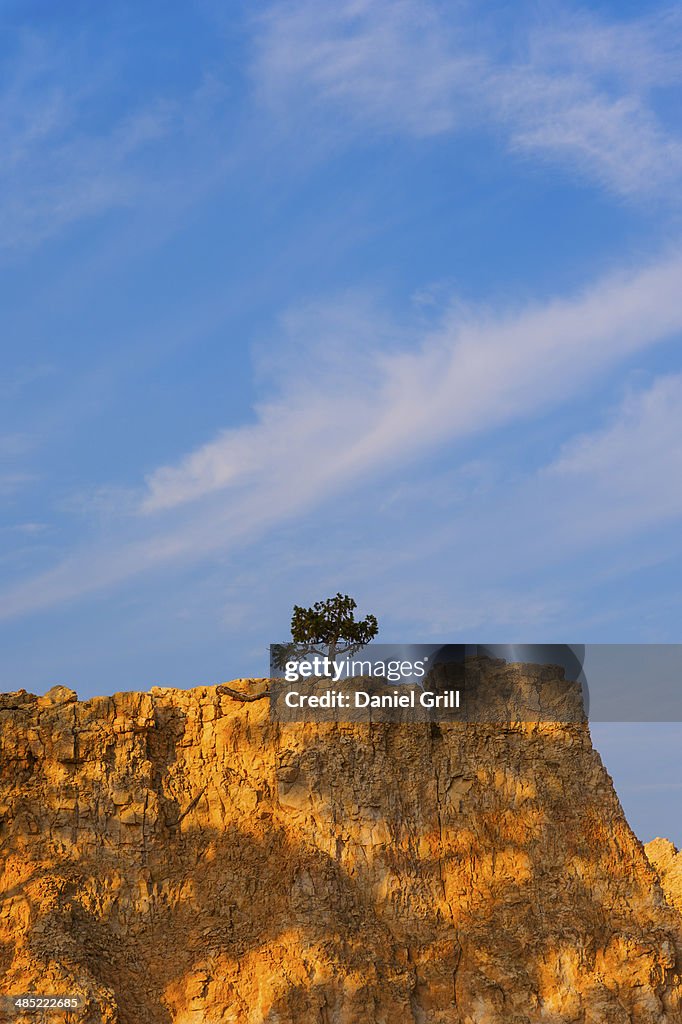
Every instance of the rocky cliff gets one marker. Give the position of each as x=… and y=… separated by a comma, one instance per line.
x=667, y=860
x=177, y=858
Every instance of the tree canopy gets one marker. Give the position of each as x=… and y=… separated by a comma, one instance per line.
x=328, y=628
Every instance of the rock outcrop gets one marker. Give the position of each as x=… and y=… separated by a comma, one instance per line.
x=174, y=857
x=667, y=860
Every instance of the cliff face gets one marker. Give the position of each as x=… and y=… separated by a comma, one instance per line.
x=174, y=856
x=667, y=860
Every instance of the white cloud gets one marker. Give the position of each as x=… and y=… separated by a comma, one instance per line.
x=575, y=91
x=645, y=52
x=631, y=469
x=386, y=64
x=578, y=91
x=465, y=376
x=51, y=172
x=581, y=92
x=606, y=488
x=616, y=140
x=333, y=422
x=58, y=166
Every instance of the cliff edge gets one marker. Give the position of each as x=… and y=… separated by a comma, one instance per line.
x=176, y=858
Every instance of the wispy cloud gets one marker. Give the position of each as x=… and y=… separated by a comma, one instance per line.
x=59, y=166
x=631, y=469
x=389, y=65
x=52, y=172
x=580, y=92
x=333, y=424
x=11, y=483
x=613, y=138
x=577, y=91
x=644, y=52
x=607, y=496
x=470, y=373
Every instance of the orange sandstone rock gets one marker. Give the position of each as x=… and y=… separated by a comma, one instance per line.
x=667, y=861
x=176, y=858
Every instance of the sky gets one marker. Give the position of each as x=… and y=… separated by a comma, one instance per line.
x=380, y=297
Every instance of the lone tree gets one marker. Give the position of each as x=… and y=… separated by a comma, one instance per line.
x=327, y=629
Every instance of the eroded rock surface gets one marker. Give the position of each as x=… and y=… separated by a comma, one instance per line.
x=176, y=858
x=667, y=860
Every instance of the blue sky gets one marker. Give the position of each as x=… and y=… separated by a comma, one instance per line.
x=380, y=297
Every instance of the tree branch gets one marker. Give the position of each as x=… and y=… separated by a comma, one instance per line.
x=227, y=691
